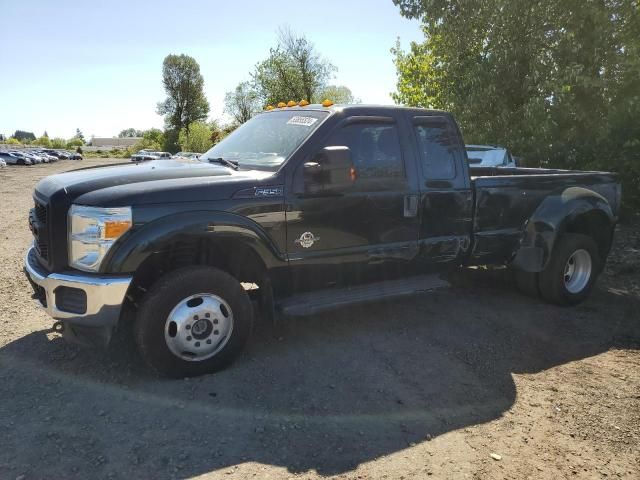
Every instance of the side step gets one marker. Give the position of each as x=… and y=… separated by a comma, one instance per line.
x=314, y=302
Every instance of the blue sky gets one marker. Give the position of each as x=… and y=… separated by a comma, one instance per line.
x=97, y=65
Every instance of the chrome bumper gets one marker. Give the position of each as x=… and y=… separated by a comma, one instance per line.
x=104, y=294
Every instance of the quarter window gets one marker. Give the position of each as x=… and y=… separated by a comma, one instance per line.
x=437, y=149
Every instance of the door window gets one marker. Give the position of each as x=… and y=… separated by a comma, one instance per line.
x=375, y=149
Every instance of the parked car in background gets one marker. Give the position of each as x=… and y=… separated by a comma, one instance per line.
x=13, y=159
x=187, y=155
x=489, y=156
x=35, y=160
x=75, y=156
x=143, y=156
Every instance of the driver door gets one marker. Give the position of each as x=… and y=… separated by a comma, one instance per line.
x=369, y=230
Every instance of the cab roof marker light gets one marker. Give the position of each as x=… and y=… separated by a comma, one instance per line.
x=327, y=103
x=269, y=107
x=303, y=103
x=281, y=104
x=291, y=103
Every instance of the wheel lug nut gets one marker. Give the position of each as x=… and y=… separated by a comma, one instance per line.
x=215, y=321
x=195, y=317
x=207, y=315
x=197, y=344
x=188, y=327
x=215, y=332
x=209, y=342
x=188, y=338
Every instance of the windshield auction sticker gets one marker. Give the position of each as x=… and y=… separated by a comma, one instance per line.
x=302, y=121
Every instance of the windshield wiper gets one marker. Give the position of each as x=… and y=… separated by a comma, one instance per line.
x=224, y=161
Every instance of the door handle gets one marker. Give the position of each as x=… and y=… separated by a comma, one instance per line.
x=410, y=206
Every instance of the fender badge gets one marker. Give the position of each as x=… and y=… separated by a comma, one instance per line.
x=307, y=239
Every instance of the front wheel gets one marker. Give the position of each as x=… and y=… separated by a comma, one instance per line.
x=572, y=270
x=193, y=321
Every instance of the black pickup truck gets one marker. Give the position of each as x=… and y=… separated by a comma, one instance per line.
x=301, y=209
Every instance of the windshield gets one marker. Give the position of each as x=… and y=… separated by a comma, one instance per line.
x=266, y=140
x=493, y=157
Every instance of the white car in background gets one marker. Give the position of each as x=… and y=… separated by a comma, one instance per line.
x=489, y=156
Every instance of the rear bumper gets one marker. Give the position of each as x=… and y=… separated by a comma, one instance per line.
x=77, y=298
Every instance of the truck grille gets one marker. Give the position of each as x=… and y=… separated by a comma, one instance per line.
x=40, y=230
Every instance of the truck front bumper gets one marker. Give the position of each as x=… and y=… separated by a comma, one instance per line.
x=83, y=302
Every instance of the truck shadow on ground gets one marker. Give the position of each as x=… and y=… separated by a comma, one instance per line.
x=336, y=390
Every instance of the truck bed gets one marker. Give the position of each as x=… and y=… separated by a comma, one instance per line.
x=506, y=198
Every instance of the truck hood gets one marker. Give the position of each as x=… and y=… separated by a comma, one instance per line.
x=150, y=182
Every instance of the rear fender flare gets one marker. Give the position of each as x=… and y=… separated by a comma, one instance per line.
x=551, y=219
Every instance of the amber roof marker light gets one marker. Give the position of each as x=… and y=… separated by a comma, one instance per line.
x=269, y=107
x=281, y=104
x=327, y=103
x=291, y=103
x=303, y=103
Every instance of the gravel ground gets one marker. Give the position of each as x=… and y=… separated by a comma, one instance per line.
x=473, y=382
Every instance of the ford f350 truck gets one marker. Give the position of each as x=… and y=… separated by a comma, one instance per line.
x=301, y=209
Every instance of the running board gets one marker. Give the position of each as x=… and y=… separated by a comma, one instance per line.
x=314, y=302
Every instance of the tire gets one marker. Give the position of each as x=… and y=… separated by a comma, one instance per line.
x=176, y=305
x=562, y=285
x=527, y=282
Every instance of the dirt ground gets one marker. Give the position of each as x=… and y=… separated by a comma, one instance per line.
x=428, y=387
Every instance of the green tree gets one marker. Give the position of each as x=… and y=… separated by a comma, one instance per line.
x=22, y=136
x=558, y=82
x=293, y=71
x=184, y=85
x=130, y=133
x=58, y=143
x=152, y=139
x=79, y=135
x=74, y=142
x=12, y=141
x=242, y=103
x=337, y=94
x=196, y=139
x=43, y=141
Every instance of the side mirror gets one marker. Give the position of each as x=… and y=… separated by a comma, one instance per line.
x=330, y=171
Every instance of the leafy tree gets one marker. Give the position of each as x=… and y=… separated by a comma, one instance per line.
x=58, y=143
x=45, y=134
x=43, y=141
x=12, y=141
x=152, y=139
x=74, y=142
x=293, y=71
x=130, y=133
x=558, y=82
x=242, y=103
x=337, y=94
x=184, y=85
x=79, y=135
x=196, y=139
x=22, y=135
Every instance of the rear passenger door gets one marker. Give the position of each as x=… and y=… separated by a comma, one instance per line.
x=446, y=199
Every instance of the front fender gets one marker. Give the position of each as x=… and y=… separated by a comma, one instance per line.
x=551, y=219
x=158, y=235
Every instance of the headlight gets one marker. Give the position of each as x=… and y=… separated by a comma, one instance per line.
x=92, y=232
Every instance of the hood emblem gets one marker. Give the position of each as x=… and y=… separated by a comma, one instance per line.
x=307, y=239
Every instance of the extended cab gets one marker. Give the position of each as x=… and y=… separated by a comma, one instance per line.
x=301, y=209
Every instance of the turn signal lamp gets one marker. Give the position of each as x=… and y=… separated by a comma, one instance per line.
x=303, y=103
x=291, y=103
x=327, y=103
x=281, y=104
x=269, y=107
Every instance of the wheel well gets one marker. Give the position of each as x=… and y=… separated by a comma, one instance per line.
x=237, y=259
x=596, y=225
